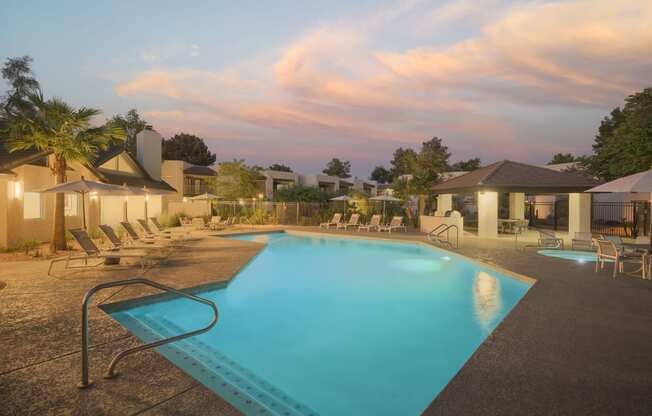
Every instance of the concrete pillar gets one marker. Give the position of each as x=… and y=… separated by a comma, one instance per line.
x=444, y=203
x=579, y=213
x=517, y=205
x=487, y=214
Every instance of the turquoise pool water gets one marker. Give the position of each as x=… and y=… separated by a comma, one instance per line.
x=334, y=326
x=579, y=256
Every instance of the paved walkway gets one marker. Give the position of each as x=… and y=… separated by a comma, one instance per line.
x=578, y=343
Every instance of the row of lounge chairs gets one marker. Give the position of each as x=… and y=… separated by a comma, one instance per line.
x=150, y=246
x=374, y=223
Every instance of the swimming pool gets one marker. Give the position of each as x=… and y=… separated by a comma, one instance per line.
x=578, y=256
x=334, y=326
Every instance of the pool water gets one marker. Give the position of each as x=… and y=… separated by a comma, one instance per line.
x=578, y=256
x=334, y=326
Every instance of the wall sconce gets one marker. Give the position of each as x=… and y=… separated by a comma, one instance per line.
x=260, y=196
x=14, y=189
x=147, y=197
x=93, y=195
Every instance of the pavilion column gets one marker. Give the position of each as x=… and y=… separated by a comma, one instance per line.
x=444, y=203
x=579, y=213
x=517, y=205
x=487, y=214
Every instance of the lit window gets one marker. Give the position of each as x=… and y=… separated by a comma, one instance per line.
x=71, y=205
x=32, y=207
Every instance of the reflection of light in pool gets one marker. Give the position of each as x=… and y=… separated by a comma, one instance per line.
x=261, y=239
x=486, y=298
x=446, y=258
x=417, y=265
x=579, y=256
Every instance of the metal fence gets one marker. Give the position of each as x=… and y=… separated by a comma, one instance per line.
x=626, y=219
x=552, y=215
x=305, y=213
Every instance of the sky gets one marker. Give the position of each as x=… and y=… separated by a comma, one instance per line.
x=300, y=82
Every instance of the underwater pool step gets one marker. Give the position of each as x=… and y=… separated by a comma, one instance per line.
x=239, y=386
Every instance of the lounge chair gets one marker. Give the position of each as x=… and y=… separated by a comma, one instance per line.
x=607, y=250
x=91, y=251
x=173, y=232
x=335, y=221
x=373, y=223
x=199, y=223
x=135, y=238
x=395, y=224
x=118, y=244
x=185, y=222
x=353, y=222
x=216, y=223
x=583, y=240
x=548, y=239
x=149, y=233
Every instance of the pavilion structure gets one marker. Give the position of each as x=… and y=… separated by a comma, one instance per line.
x=517, y=180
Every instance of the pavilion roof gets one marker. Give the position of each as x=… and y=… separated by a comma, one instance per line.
x=509, y=176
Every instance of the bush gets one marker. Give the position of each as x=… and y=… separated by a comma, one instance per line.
x=171, y=220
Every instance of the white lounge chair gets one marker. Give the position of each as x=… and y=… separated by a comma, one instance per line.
x=353, y=222
x=374, y=222
x=548, y=239
x=395, y=224
x=335, y=221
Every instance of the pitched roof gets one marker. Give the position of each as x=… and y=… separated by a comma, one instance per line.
x=199, y=170
x=511, y=176
x=10, y=160
x=116, y=178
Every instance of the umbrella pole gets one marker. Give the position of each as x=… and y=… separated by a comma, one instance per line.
x=83, y=210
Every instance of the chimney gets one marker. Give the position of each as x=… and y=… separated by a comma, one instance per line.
x=148, y=149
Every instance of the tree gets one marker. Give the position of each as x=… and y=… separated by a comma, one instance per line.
x=301, y=193
x=426, y=166
x=623, y=145
x=466, y=165
x=280, y=167
x=381, y=175
x=132, y=124
x=18, y=74
x=188, y=147
x=339, y=168
x=56, y=127
x=562, y=158
x=403, y=163
x=235, y=180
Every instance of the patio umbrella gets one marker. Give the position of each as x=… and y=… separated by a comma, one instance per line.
x=126, y=190
x=206, y=197
x=82, y=187
x=638, y=182
x=344, y=199
x=385, y=198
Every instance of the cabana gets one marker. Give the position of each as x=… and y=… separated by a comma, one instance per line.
x=517, y=180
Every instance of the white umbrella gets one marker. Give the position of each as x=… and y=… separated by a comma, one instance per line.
x=344, y=199
x=638, y=182
x=385, y=198
x=82, y=187
x=206, y=197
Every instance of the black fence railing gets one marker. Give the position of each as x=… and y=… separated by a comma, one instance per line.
x=626, y=219
x=307, y=213
x=552, y=215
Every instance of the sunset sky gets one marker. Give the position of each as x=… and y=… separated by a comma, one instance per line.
x=300, y=82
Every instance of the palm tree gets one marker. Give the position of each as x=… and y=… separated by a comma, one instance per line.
x=54, y=126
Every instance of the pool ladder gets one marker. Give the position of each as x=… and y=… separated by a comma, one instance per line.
x=111, y=373
x=436, y=235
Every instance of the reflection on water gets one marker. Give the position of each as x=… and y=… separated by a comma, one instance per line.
x=261, y=239
x=486, y=298
x=417, y=265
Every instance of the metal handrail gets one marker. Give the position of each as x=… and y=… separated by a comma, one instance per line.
x=446, y=230
x=85, y=382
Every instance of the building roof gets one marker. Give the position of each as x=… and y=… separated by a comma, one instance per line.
x=199, y=170
x=509, y=176
x=115, y=178
x=10, y=160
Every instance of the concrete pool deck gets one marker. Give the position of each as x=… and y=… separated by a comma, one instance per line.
x=578, y=342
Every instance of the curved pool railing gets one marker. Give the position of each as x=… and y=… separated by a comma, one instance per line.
x=85, y=382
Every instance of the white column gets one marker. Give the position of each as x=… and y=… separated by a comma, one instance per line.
x=444, y=203
x=579, y=213
x=517, y=205
x=487, y=214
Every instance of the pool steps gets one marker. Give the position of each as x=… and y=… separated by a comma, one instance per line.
x=239, y=386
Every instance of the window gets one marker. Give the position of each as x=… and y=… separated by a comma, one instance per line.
x=71, y=205
x=32, y=207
